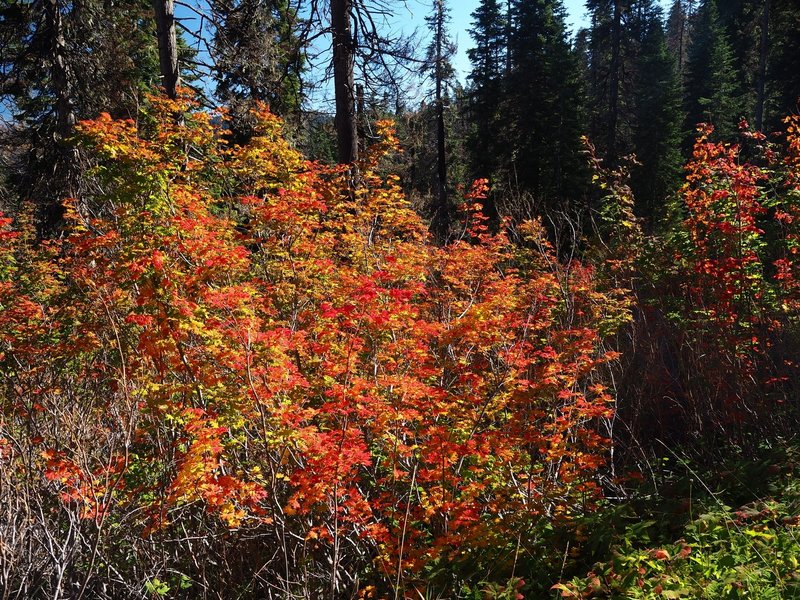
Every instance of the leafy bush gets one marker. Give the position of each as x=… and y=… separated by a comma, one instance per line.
x=718, y=551
x=233, y=346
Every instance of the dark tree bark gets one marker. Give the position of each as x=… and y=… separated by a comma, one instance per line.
x=613, y=80
x=762, y=67
x=65, y=166
x=361, y=118
x=509, y=28
x=441, y=217
x=682, y=48
x=343, y=82
x=167, y=45
x=62, y=85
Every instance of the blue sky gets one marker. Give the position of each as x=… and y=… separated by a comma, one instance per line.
x=461, y=20
x=410, y=15
x=461, y=11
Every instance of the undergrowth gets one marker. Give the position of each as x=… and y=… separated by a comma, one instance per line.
x=727, y=531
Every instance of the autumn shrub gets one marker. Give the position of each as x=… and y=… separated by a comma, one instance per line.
x=713, y=346
x=241, y=374
x=707, y=371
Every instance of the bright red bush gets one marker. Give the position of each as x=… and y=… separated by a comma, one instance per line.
x=236, y=331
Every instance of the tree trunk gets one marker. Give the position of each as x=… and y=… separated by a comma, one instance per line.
x=65, y=176
x=343, y=82
x=508, y=36
x=62, y=84
x=613, y=85
x=762, y=67
x=361, y=119
x=167, y=46
x=441, y=217
x=682, y=45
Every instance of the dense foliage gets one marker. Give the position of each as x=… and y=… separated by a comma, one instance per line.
x=548, y=348
x=230, y=345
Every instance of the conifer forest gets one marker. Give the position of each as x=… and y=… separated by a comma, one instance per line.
x=298, y=302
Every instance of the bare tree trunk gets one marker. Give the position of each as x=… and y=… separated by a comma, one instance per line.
x=613, y=85
x=62, y=84
x=361, y=118
x=508, y=36
x=682, y=44
x=167, y=45
x=66, y=169
x=443, y=206
x=762, y=67
x=343, y=82
x=441, y=216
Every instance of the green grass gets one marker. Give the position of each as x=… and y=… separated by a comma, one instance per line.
x=731, y=532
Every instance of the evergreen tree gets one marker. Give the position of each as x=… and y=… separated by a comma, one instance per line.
x=711, y=94
x=619, y=47
x=416, y=131
x=678, y=34
x=258, y=57
x=488, y=59
x=658, y=117
x=582, y=46
x=542, y=109
x=634, y=93
x=763, y=51
x=742, y=22
x=611, y=48
x=783, y=67
x=62, y=61
x=440, y=71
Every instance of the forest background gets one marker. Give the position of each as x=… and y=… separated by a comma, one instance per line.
x=531, y=333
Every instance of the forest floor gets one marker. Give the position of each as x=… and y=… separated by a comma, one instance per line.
x=688, y=532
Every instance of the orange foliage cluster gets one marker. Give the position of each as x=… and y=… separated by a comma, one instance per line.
x=724, y=204
x=745, y=281
x=731, y=286
x=236, y=331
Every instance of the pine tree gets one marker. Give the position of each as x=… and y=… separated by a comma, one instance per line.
x=658, y=118
x=440, y=71
x=763, y=53
x=783, y=67
x=488, y=59
x=258, y=57
x=610, y=51
x=742, y=22
x=634, y=93
x=678, y=31
x=617, y=51
x=711, y=94
x=542, y=109
x=62, y=61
